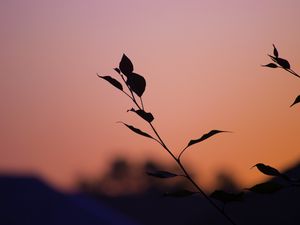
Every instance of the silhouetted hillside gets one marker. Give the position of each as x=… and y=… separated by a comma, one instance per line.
x=29, y=201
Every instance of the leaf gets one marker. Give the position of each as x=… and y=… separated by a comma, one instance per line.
x=145, y=115
x=271, y=65
x=136, y=83
x=266, y=188
x=275, y=52
x=282, y=62
x=297, y=100
x=137, y=131
x=205, y=136
x=162, y=174
x=226, y=197
x=267, y=170
x=180, y=193
x=125, y=65
x=112, y=81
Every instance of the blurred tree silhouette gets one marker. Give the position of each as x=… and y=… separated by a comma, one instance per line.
x=128, y=178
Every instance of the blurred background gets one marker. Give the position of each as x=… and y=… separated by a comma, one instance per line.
x=202, y=62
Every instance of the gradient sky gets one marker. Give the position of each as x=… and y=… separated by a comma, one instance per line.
x=201, y=60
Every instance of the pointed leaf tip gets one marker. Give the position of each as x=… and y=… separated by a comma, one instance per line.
x=275, y=51
x=205, y=136
x=126, y=66
x=271, y=65
x=112, y=81
x=297, y=100
x=162, y=174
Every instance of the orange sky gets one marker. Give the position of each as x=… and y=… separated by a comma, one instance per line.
x=201, y=60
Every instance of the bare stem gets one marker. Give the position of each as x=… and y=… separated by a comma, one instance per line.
x=142, y=103
x=183, y=150
x=292, y=72
x=220, y=210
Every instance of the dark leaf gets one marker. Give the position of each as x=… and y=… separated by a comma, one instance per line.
x=297, y=100
x=205, y=136
x=145, y=115
x=162, y=174
x=271, y=65
x=138, y=131
x=226, y=197
x=136, y=83
x=118, y=70
x=266, y=188
x=112, y=81
x=282, y=62
x=126, y=66
x=267, y=170
x=275, y=52
x=180, y=193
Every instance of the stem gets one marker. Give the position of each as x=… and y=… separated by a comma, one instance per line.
x=142, y=103
x=183, y=150
x=162, y=142
x=222, y=212
x=177, y=160
x=132, y=95
x=292, y=72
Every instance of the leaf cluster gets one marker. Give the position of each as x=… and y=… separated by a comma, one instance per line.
x=283, y=64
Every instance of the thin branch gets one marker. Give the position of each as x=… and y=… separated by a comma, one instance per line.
x=189, y=177
x=132, y=95
x=183, y=150
x=292, y=72
x=142, y=103
x=220, y=210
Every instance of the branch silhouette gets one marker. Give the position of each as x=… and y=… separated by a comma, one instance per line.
x=282, y=64
x=136, y=85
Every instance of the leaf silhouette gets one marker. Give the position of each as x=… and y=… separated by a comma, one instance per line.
x=162, y=174
x=282, y=62
x=271, y=65
x=267, y=170
x=145, y=115
x=275, y=51
x=137, y=131
x=126, y=66
x=112, y=81
x=136, y=83
x=297, y=100
x=266, y=188
x=205, y=136
x=180, y=193
x=226, y=197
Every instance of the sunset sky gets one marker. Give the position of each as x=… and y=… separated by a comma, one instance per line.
x=201, y=60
